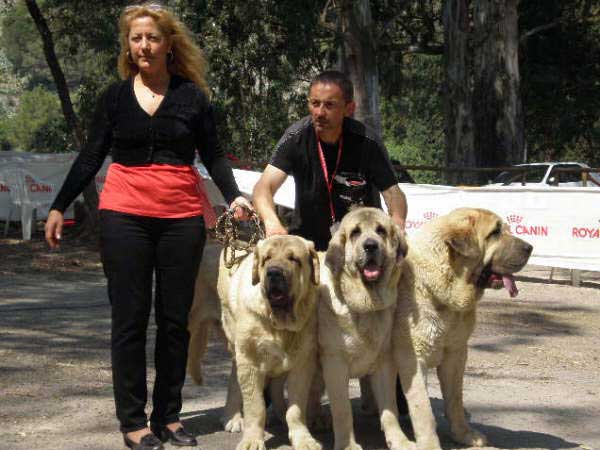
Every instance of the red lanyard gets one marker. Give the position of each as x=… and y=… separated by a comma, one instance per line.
x=329, y=182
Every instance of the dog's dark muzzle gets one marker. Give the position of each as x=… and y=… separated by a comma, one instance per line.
x=371, y=264
x=277, y=288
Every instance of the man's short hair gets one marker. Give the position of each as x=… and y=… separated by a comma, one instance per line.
x=338, y=78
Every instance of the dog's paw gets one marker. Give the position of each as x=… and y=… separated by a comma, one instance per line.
x=406, y=445
x=306, y=442
x=429, y=444
x=233, y=424
x=350, y=446
x=251, y=444
x=470, y=438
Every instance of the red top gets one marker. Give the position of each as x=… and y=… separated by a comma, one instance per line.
x=155, y=190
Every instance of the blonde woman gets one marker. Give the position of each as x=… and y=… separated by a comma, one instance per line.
x=151, y=213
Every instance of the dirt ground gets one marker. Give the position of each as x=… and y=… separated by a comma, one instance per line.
x=533, y=377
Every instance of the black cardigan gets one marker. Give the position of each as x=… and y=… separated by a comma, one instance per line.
x=183, y=124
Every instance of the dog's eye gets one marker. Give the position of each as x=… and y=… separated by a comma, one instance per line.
x=381, y=231
x=294, y=259
x=355, y=233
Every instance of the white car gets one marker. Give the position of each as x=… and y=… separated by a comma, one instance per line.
x=545, y=174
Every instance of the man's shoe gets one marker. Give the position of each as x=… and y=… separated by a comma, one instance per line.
x=179, y=437
x=148, y=442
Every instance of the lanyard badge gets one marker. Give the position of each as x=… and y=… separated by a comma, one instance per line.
x=329, y=181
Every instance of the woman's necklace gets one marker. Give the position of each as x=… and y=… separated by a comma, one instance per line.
x=149, y=89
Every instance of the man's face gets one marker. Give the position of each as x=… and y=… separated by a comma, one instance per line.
x=328, y=108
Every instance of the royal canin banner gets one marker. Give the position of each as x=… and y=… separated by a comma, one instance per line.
x=562, y=224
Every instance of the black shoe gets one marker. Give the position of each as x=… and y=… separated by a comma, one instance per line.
x=148, y=442
x=179, y=437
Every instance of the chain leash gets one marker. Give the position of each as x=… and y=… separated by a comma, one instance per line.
x=227, y=233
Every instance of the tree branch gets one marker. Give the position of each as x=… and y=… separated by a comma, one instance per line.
x=57, y=73
x=538, y=29
x=426, y=49
x=90, y=195
x=323, y=17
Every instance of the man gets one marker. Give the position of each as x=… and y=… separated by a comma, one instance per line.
x=316, y=150
x=332, y=157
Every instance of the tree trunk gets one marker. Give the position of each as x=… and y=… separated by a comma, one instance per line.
x=359, y=60
x=498, y=118
x=90, y=194
x=458, y=92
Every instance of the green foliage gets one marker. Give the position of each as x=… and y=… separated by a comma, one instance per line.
x=411, y=74
x=86, y=48
x=413, y=123
x=81, y=42
x=23, y=48
x=10, y=89
x=38, y=124
x=258, y=78
x=560, y=67
x=4, y=133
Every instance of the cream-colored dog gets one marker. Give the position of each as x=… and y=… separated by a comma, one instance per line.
x=269, y=318
x=205, y=313
x=362, y=267
x=451, y=261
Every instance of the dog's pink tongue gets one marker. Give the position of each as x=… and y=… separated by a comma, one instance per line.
x=510, y=285
x=371, y=274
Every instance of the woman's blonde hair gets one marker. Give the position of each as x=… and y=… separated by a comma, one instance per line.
x=187, y=58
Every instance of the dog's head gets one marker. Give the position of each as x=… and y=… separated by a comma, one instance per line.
x=368, y=248
x=481, y=243
x=287, y=268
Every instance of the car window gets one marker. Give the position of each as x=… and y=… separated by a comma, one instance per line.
x=530, y=174
x=565, y=177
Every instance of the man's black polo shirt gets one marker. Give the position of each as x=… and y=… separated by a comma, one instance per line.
x=296, y=154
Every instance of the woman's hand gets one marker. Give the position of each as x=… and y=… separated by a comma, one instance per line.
x=241, y=208
x=53, y=228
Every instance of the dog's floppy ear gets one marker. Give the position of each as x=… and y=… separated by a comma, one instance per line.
x=461, y=238
x=255, y=267
x=335, y=256
x=402, y=246
x=315, y=266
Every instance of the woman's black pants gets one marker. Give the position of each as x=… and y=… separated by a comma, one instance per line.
x=134, y=248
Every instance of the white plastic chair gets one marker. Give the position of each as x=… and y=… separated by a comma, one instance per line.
x=28, y=192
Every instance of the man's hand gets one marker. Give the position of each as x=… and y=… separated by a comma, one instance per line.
x=273, y=228
x=241, y=208
x=53, y=228
x=270, y=181
x=400, y=222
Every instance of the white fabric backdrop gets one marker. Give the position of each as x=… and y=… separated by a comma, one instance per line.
x=563, y=224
